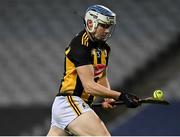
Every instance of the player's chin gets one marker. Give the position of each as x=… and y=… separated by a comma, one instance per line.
x=104, y=39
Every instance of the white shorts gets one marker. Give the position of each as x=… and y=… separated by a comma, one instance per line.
x=66, y=108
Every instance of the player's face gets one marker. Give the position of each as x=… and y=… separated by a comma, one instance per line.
x=103, y=31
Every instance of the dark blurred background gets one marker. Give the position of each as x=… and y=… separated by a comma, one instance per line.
x=145, y=56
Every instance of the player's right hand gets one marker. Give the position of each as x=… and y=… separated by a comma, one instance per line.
x=130, y=100
x=108, y=103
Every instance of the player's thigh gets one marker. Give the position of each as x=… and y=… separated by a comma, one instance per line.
x=88, y=124
x=55, y=131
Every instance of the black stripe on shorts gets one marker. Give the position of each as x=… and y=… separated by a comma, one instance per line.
x=73, y=105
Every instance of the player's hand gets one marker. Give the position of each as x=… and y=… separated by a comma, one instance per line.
x=108, y=103
x=130, y=100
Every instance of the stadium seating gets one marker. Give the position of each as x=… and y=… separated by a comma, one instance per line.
x=35, y=33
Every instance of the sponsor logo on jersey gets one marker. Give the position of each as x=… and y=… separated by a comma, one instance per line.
x=98, y=69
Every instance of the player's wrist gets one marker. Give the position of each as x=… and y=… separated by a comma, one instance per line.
x=121, y=96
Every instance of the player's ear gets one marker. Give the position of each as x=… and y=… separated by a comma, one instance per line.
x=90, y=24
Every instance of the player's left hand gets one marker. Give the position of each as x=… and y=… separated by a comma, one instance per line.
x=108, y=103
x=131, y=101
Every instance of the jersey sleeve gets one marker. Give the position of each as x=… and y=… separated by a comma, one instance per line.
x=79, y=54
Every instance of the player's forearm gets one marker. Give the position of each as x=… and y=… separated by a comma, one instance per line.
x=104, y=82
x=98, y=90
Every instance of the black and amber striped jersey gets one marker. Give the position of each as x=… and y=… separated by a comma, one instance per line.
x=83, y=51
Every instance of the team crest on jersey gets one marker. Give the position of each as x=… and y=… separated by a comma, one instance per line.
x=98, y=69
